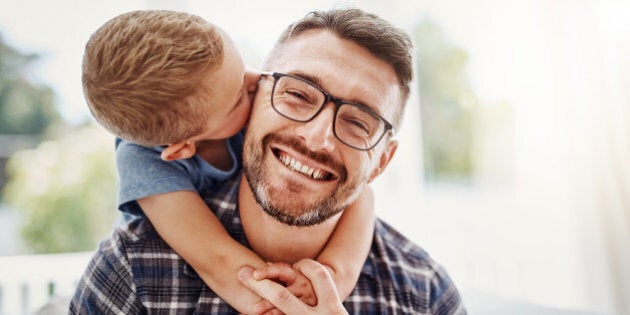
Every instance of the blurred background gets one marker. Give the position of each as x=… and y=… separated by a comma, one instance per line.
x=513, y=169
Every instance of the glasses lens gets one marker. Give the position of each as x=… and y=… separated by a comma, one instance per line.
x=358, y=127
x=300, y=100
x=296, y=99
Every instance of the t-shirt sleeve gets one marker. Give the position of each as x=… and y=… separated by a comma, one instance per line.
x=142, y=173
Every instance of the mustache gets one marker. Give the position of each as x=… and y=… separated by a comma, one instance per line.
x=297, y=145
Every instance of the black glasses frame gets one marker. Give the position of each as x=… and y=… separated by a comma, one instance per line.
x=328, y=98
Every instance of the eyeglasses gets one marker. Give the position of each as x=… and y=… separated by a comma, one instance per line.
x=355, y=125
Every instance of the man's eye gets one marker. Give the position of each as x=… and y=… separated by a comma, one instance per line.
x=355, y=126
x=360, y=127
x=298, y=95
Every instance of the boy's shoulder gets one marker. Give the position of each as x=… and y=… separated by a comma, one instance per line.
x=122, y=144
x=128, y=150
x=132, y=158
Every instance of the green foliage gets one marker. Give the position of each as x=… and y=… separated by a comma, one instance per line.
x=66, y=191
x=25, y=108
x=447, y=106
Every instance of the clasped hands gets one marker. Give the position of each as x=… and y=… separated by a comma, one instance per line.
x=304, y=288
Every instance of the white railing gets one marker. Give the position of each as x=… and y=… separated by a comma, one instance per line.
x=28, y=282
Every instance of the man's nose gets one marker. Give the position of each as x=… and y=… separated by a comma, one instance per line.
x=318, y=133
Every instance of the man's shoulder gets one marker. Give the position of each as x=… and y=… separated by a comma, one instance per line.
x=131, y=239
x=392, y=244
x=395, y=256
x=135, y=270
x=108, y=284
x=149, y=258
x=401, y=277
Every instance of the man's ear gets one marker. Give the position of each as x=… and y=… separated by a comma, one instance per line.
x=384, y=160
x=179, y=150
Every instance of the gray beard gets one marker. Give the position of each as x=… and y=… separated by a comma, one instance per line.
x=314, y=215
x=270, y=201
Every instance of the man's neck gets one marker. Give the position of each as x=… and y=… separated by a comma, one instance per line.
x=277, y=242
x=216, y=153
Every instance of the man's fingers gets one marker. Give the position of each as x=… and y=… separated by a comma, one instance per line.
x=272, y=292
x=274, y=311
x=264, y=307
x=322, y=282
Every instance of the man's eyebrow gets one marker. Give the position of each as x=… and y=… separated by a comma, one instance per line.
x=318, y=82
x=308, y=77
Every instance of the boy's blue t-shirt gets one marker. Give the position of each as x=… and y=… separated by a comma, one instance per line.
x=143, y=173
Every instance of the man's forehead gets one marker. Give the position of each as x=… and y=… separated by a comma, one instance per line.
x=341, y=67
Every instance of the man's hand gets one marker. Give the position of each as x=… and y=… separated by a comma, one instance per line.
x=328, y=301
x=291, y=278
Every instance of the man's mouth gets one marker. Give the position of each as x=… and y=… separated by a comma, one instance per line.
x=295, y=165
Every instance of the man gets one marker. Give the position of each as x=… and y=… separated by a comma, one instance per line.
x=335, y=92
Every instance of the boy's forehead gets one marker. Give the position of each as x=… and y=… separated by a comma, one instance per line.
x=225, y=37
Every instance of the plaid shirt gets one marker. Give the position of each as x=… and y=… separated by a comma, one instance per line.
x=136, y=272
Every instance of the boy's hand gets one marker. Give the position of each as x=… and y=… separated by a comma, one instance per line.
x=292, y=279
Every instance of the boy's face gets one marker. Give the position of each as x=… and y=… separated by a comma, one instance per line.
x=229, y=101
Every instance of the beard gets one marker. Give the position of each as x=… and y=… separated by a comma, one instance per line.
x=288, y=205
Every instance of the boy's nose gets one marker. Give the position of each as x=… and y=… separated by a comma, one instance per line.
x=250, y=80
x=251, y=76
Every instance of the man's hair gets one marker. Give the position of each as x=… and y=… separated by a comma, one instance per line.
x=384, y=40
x=143, y=73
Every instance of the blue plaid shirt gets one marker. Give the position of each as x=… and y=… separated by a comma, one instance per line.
x=136, y=272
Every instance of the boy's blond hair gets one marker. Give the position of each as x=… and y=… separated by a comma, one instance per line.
x=143, y=74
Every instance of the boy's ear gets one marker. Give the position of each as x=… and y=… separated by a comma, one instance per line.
x=179, y=150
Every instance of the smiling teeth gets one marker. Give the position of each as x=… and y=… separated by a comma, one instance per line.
x=298, y=167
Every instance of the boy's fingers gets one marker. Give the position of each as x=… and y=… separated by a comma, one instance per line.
x=281, y=271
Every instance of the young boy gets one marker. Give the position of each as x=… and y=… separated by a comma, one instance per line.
x=174, y=88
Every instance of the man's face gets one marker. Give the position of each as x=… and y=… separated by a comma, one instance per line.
x=330, y=174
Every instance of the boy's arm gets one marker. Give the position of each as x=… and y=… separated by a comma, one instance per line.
x=349, y=245
x=186, y=223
